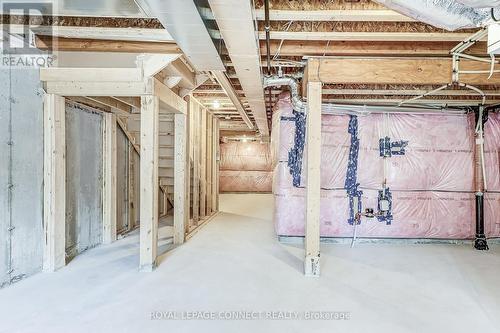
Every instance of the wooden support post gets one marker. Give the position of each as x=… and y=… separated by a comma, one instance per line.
x=203, y=164
x=218, y=163
x=215, y=142
x=149, y=182
x=181, y=177
x=196, y=162
x=109, y=179
x=313, y=132
x=131, y=186
x=54, y=191
x=209, y=162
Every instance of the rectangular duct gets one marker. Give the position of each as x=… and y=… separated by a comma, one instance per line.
x=236, y=24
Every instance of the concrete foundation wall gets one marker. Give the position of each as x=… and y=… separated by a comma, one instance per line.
x=21, y=174
x=83, y=179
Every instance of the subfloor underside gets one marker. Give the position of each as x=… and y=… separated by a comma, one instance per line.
x=235, y=263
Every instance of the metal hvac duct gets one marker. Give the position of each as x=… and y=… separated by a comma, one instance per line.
x=330, y=108
x=447, y=14
x=480, y=3
x=291, y=83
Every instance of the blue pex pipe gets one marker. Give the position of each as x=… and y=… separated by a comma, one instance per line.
x=351, y=182
x=295, y=154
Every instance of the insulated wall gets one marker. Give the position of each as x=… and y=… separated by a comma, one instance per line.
x=422, y=165
x=245, y=167
x=21, y=173
x=83, y=179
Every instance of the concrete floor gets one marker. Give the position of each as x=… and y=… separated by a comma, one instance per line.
x=235, y=263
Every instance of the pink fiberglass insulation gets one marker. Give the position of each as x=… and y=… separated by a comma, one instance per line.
x=429, y=174
x=245, y=167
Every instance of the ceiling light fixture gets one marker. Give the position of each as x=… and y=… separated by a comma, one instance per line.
x=216, y=104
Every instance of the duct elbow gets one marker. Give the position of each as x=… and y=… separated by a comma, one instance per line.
x=275, y=81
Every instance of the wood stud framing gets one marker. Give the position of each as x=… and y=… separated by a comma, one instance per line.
x=54, y=183
x=149, y=182
x=313, y=132
x=181, y=179
x=204, y=140
x=109, y=179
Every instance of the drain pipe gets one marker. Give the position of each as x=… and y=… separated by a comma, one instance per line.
x=268, y=52
x=481, y=117
x=268, y=35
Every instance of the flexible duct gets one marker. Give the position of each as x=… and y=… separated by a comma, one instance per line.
x=446, y=14
x=330, y=108
x=480, y=3
x=275, y=81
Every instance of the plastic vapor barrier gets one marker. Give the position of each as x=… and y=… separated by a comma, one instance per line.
x=245, y=167
x=416, y=169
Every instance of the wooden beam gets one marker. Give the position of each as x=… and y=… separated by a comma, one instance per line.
x=93, y=75
x=348, y=15
x=181, y=177
x=152, y=64
x=301, y=48
x=104, y=33
x=54, y=184
x=179, y=68
x=79, y=88
x=170, y=100
x=313, y=195
x=131, y=101
x=112, y=103
x=103, y=45
x=368, y=36
x=109, y=164
x=88, y=102
x=149, y=182
x=436, y=71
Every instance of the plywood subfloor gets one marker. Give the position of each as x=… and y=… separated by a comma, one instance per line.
x=235, y=263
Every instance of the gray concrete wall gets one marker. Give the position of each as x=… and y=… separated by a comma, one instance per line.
x=21, y=173
x=83, y=179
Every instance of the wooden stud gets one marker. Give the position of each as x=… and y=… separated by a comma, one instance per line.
x=313, y=132
x=109, y=165
x=196, y=161
x=218, y=164
x=131, y=186
x=54, y=190
x=203, y=164
x=215, y=142
x=181, y=178
x=209, y=162
x=149, y=182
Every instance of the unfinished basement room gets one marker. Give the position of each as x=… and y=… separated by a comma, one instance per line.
x=250, y=166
